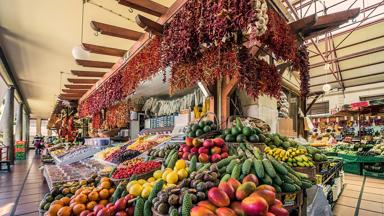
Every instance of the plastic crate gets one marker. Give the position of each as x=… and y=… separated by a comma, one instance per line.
x=373, y=174
x=354, y=168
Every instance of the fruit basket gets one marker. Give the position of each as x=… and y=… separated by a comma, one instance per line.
x=204, y=129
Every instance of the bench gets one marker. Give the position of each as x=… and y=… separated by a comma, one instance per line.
x=8, y=165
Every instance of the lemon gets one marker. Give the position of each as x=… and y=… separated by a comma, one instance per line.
x=165, y=173
x=168, y=169
x=135, y=189
x=180, y=164
x=147, y=184
x=169, y=185
x=157, y=174
x=152, y=179
x=141, y=181
x=130, y=184
x=182, y=174
x=172, y=178
x=145, y=192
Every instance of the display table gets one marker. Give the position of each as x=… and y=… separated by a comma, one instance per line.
x=354, y=163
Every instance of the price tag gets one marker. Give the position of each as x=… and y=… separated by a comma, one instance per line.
x=319, y=179
x=289, y=199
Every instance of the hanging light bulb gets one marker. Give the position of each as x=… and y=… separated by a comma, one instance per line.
x=326, y=87
x=79, y=53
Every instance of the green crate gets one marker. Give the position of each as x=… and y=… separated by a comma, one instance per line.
x=354, y=168
x=373, y=174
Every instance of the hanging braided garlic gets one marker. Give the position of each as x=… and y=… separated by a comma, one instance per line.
x=259, y=24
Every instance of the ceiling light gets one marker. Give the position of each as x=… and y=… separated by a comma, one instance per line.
x=327, y=87
x=79, y=53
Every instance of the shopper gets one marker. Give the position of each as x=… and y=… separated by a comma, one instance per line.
x=38, y=145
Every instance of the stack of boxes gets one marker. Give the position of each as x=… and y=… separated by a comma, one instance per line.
x=20, y=150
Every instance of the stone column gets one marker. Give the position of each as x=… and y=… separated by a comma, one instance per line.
x=8, y=138
x=19, y=124
x=25, y=127
x=38, y=126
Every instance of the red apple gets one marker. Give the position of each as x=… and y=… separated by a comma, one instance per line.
x=203, y=150
x=186, y=149
x=121, y=213
x=203, y=158
x=224, y=155
x=84, y=213
x=194, y=150
x=215, y=158
x=180, y=154
x=120, y=204
x=130, y=211
x=215, y=150
x=208, y=143
x=219, y=142
x=224, y=148
x=188, y=141
x=185, y=155
x=97, y=208
x=128, y=197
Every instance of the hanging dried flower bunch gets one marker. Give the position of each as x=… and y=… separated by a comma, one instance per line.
x=302, y=64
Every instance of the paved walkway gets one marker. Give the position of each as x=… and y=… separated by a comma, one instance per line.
x=23, y=188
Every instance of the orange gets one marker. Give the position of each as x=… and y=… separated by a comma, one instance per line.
x=91, y=205
x=78, y=191
x=81, y=198
x=53, y=209
x=78, y=208
x=104, y=179
x=65, y=200
x=58, y=202
x=104, y=194
x=73, y=204
x=105, y=184
x=93, y=196
x=111, y=191
x=65, y=211
x=86, y=191
x=103, y=202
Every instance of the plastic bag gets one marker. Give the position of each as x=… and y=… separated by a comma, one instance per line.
x=317, y=202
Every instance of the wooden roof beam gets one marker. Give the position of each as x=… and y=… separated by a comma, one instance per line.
x=149, y=25
x=83, y=81
x=146, y=6
x=115, y=31
x=74, y=91
x=81, y=73
x=70, y=86
x=300, y=24
x=97, y=64
x=104, y=50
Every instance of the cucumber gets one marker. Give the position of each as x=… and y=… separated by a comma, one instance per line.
x=267, y=179
x=231, y=165
x=236, y=172
x=225, y=178
x=279, y=167
x=287, y=187
x=268, y=167
x=277, y=180
x=246, y=167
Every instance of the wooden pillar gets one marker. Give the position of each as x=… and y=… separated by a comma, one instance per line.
x=228, y=85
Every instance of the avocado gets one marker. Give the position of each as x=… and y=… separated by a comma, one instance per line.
x=49, y=198
x=227, y=131
x=192, y=134
x=59, y=197
x=207, y=129
x=42, y=204
x=229, y=138
x=202, y=124
x=208, y=122
x=235, y=131
x=47, y=205
x=199, y=132
x=240, y=138
x=257, y=131
x=261, y=138
x=253, y=138
x=247, y=131
x=195, y=127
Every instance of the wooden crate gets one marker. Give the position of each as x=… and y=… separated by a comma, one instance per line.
x=310, y=171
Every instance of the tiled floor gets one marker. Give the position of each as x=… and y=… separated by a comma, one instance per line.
x=23, y=188
x=361, y=196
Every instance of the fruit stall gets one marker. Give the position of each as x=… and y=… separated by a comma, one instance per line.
x=204, y=150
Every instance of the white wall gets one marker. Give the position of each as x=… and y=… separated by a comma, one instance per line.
x=352, y=95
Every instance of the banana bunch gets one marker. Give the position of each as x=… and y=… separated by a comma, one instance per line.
x=293, y=156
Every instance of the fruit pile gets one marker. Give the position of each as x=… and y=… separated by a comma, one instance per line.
x=106, y=152
x=209, y=150
x=122, y=155
x=143, y=146
x=78, y=198
x=136, y=169
x=233, y=198
x=131, y=162
x=279, y=141
x=203, y=127
x=296, y=157
x=239, y=134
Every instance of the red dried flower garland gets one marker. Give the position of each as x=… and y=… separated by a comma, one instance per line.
x=117, y=115
x=302, y=64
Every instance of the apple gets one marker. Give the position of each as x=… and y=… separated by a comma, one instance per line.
x=196, y=142
x=215, y=158
x=208, y=143
x=215, y=150
x=186, y=149
x=185, y=155
x=194, y=150
x=203, y=158
x=130, y=211
x=203, y=150
x=180, y=154
x=188, y=141
x=224, y=155
x=219, y=142
x=112, y=210
x=128, y=197
x=182, y=146
x=97, y=208
x=224, y=148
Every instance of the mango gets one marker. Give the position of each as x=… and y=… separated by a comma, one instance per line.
x=201, y=211
x=218, y=197
x=251, y=178
x=234, y=182
x=266, y=187
x=268, y=195
x=245, y=190
x=236, y=206
x=278, y=211
x=208, y=205
x=228, y=189
x=254, y=206
x=223, y=211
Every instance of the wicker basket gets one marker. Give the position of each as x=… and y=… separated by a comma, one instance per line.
x=310, y=171
x=213, y=133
